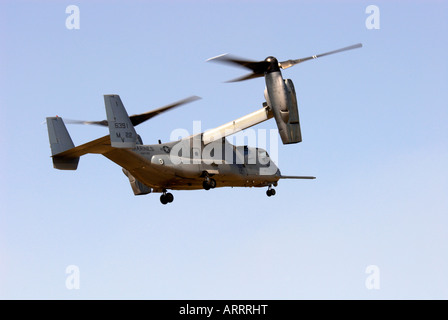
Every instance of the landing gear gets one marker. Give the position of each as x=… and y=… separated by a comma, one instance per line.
x=270, y=192
x=209, y=183
x=166, y=197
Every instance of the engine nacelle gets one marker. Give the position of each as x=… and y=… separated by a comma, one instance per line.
x=282, y=100
x=294, y=132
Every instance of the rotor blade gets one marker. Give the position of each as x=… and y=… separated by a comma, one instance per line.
x=255, y=66
x=290, y=63
x=136, y=119
x=247, y=77
x=103, y=123
x=258, y=67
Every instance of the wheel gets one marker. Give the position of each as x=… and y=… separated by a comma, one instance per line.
x=169, y=197
x=268, y=193
x=206, y=185
x=163, y=199
x=212, y=183
x=272, y=192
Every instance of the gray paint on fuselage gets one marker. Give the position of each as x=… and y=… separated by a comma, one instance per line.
x=163, y=169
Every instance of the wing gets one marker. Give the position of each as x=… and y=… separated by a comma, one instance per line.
x=237, y=125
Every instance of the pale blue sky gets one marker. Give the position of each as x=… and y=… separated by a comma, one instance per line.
x=374, y=126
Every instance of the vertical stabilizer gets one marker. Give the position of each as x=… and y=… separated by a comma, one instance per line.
x=122, y=132
x=60, y=141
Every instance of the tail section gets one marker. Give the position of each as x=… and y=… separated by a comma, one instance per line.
x=60, y=141
x=122, y=132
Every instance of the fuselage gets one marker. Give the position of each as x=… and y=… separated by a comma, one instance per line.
x=183, y=165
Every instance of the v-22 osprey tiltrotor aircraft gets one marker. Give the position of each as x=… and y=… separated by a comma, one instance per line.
x=201, y=161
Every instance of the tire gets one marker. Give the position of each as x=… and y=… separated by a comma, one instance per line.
x=206, y=185
x=163, y=199
x=212, y=183
x=169, y=197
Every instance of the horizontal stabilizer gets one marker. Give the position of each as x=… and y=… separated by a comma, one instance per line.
x=122, y=132
x=121, y=156
x=98, y=146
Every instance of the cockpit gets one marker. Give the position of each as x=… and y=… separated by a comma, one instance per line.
x=254, y=156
